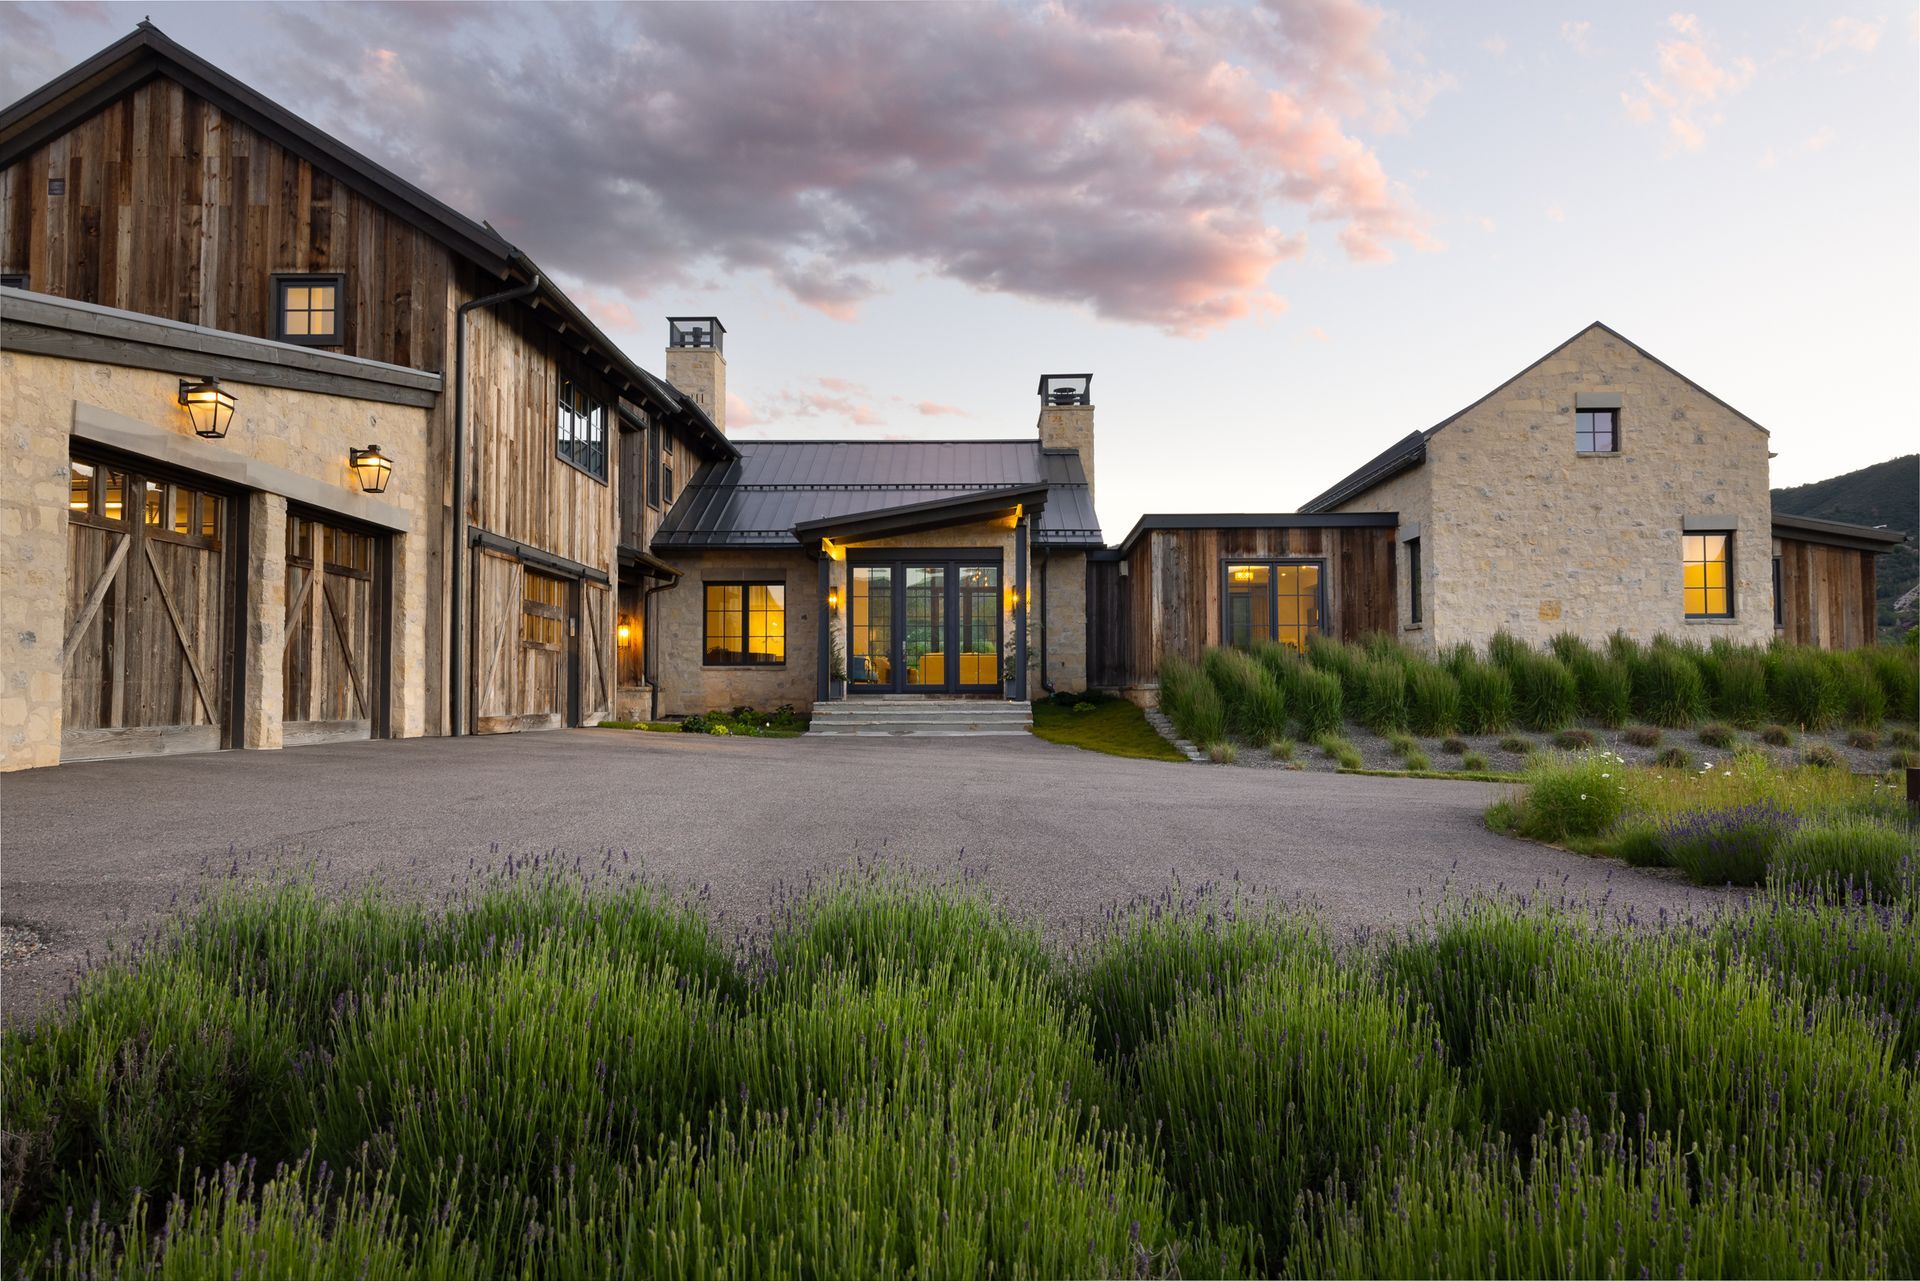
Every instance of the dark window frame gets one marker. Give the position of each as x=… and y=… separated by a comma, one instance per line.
x=1415, y=617
x=1593, y=432
x=15, y=280
x=655, y=434
x=666, y=468
x=576, y=411
x=1779, y=613
x=1271, y=563
x=285, y=280
x=746, y=586
x=1732, y=610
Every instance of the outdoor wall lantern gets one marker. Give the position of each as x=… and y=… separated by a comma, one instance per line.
x=372, y=467
x=208, y=406
x=626, y=633
x=833, y=598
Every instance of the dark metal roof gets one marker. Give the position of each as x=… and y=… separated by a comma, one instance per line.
x=757, y=499
x=1254, y=520
x=1806, y=529
x=1403, y=455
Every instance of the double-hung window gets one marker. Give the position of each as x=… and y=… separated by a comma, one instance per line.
x=746, y=624
x=582, y=432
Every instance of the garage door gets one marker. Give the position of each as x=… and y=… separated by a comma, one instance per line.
x=334, y=668
x=148, y=652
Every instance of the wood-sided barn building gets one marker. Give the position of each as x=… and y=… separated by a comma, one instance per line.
x=151, y=183
x=1824, y=581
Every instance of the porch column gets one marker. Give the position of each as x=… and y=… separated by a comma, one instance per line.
x=1021, y=610
x=826, y=625
x=264, y=646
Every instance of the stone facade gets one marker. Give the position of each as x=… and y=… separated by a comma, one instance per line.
x=701, y=372
x=1070, y=427
x=687, y=683
x=307, y=433
x=1519, y=531
x=1065, y=621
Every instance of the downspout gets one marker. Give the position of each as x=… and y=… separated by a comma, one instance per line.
x=646, y=645
x=1046, y=555
x=456, y=612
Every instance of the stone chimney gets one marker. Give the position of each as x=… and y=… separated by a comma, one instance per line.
x=1066, y=417
x=697, y=362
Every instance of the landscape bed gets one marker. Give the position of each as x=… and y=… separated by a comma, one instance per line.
x=1379, y=705
x=557, y=1075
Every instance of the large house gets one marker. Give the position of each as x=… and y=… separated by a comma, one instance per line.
x=300, y=453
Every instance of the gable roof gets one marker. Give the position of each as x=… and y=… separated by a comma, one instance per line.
x=1411, y=450
x=780, y=493
x=147, y=53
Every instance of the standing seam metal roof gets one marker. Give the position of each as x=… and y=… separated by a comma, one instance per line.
x=758, y=498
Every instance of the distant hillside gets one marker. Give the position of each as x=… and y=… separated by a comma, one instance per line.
x=1884, y=494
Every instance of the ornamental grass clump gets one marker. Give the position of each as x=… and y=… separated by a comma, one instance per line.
x=1641, y=735
x=1315, y=700
x=1191, y=702
x=1433, y=700
x=1340, y=749
x=1727, y=846
x=1847, y=857
x=1566, y=796
x=1545, y=697
x=1605, y=688
x=1667, y=688
x=1255, y=708
x=1486, y=697
x=1383, y=703
x=1802, y=690
x=1856, y=690
x=1717, y=735
x=1898, y=669
x=1740, y=689
x=1346, y=662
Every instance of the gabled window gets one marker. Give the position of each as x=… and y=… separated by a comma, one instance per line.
x=581, y=439
x=1707, y=574
x=1596, y=431
x=310, y=310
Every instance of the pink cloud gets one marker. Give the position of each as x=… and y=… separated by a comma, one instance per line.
x=1854, y=34
x=1151, y=162
x=1689, y=84
x=934, y=409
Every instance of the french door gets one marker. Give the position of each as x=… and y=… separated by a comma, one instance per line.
x=925, y=625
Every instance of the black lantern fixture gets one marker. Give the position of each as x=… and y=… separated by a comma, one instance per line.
x=208, y=405
x=372, y=467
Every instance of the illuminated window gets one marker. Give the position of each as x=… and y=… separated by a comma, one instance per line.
x=310, y=309
x=582, y=435
x=1596, y=431
x=80, y=487
x=746, y=624
x=1707, y=574
x=1272, y=601
x=543, y=612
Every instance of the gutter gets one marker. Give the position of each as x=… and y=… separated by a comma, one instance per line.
x=456, y=611
x=646, y=645
x=1046, y=555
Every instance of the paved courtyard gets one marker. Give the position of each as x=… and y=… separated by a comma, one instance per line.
x=95, y=852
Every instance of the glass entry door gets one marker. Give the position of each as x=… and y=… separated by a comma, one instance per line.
x=926, y=628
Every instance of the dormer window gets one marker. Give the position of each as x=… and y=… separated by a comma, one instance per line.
x=310, y=310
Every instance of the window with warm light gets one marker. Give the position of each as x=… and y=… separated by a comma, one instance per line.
x=1707, y=574
x=310, y=310
x=746, y=624
x=543, y=612
x=1272, y=601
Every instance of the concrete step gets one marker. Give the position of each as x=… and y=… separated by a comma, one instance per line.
x=920, y=716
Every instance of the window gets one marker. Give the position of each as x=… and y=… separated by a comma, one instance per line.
x=655, y=435
x=1779, y=611
x=543, y=612
x=666, y=466
x=1596, y=431
x=13, y=280
x=311, y=310
x=1413, y=582
x=1272, y=600
x=582, y=437
x=1707, y=563
x=746, y=624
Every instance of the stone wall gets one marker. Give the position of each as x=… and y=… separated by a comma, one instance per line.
x=1066, y=620
x=307, y=433
x=701, y=372
x=687, y=683
x=1521, y=532
x=1070, y=427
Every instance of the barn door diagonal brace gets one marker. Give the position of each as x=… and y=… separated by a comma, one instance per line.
x=180, y=632
x=95, y=597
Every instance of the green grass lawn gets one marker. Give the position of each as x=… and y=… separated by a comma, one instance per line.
x=1113, y=726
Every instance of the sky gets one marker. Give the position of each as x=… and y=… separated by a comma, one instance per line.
x=1280, y=235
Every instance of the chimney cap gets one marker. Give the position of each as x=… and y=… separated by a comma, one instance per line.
x=1066, y=389
x=695, y=331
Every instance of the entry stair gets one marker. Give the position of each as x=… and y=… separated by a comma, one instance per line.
x=913, y=715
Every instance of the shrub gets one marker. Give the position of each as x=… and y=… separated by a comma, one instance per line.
x=1453, y=746
x=1821, y=756
x=1473, y=763
x=1315, y=699
x=1305, y=1073
x=1641, y=735
x=1667, y=689
x=1516, y=745
x=1574, y=740
x=1486, y=698
x=1802, y=690
x=1857, y=693
x=1846, y=854
x=1740, y=694
x=1383, y=699
x=1726, y=847
x=1639, y=842
x=1433, y=700
x=1571, y=796
x=1605, y=688
x=1864, y=740
x=1545, y=697
x=1717, y=735
x=1191, y=702
x=1777, y=736
x=1674, y=758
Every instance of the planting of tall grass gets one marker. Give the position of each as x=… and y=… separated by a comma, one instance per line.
x=1856, y=691
x=1740, y=689
x=1802, y=690
x=1383, y=698
x=1667, y=687
x=1346, y=662
x=1486, y=697
x=1898, y=669
x=1191, y=702
x=1847, y=857
x=1255, y=705
x=1315, y=700
x=1571, y=796
x=1433, y=700
x=1545, y=697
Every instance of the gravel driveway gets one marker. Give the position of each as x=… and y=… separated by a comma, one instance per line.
x=94, y=852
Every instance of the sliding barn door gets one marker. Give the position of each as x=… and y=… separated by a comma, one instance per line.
x=333, y=669
x=520, y=636
x=147, y=653
x=596, y=653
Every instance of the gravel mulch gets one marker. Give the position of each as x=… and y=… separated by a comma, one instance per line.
x=18, y=943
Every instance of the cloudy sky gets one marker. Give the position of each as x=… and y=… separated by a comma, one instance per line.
x=1281, y=235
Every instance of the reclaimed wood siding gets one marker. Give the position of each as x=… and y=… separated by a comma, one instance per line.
x=1826, y=595
x=1168, y=601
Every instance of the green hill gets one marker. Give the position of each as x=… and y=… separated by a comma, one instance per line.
x=1884, y=494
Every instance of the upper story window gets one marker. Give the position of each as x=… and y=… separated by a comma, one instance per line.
x=310, y=310
x=13, y=280
x=654, y=438
x=582, y=437
x=1596, y=431
x=1707, y=574
x=666, y=466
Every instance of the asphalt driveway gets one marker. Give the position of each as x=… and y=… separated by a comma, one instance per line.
x=94, y=852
